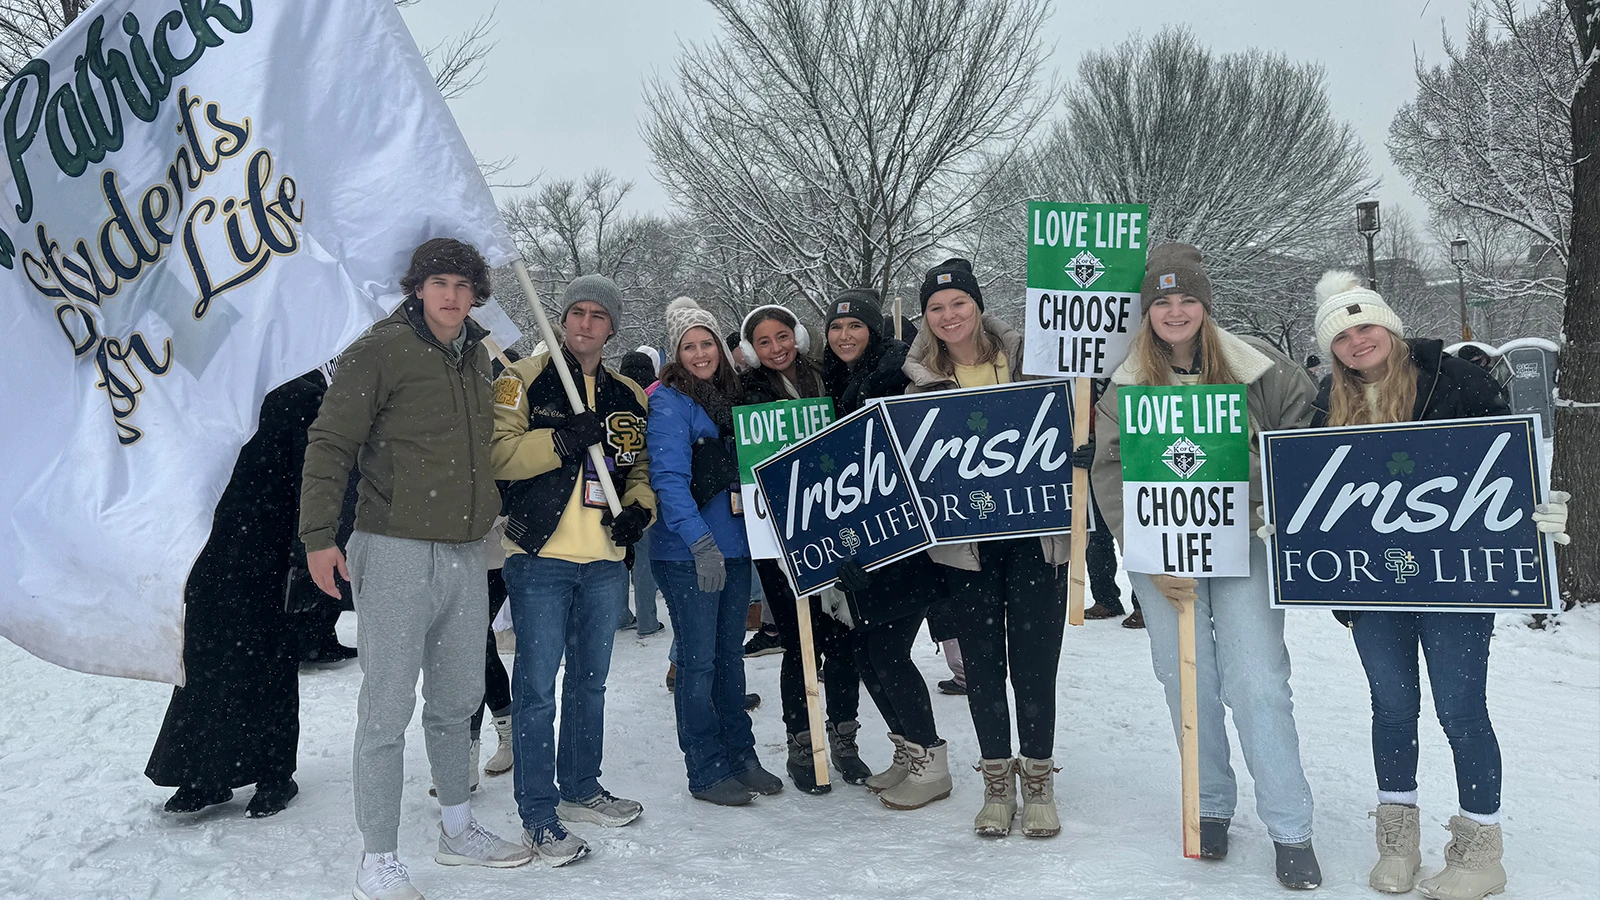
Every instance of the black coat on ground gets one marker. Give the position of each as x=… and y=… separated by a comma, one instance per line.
x=237, y=720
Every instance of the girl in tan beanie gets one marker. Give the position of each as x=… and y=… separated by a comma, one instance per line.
x=1242, y=663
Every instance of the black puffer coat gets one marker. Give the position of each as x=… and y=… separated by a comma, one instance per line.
x=876, y=374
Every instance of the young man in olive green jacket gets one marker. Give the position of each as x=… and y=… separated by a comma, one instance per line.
x=411, y=407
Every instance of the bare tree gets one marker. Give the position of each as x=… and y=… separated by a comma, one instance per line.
x=27, y=25
x=1488, y=134
x=832, y=142
x=1238, y=154
x=1509, y=129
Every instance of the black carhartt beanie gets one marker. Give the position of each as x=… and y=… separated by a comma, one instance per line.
x=857, y=303
x=952, y=273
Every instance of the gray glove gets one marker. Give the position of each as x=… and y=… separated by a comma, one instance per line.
x=708, y=565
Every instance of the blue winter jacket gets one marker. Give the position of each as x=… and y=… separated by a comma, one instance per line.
x=676, y=422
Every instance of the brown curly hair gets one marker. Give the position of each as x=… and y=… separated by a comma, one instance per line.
x=448, y=256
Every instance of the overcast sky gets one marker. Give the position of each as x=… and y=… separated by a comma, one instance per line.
x=562, y=91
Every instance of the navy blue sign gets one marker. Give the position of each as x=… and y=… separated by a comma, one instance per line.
x=841, y=494
x=1417, y=516
x=992, y=462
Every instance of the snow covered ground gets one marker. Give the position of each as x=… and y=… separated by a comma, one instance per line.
x=80, y=820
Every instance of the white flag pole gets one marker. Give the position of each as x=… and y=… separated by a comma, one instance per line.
x=558, y=359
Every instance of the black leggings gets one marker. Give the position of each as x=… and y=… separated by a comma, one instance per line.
x=841, y=685
x=1101, y=556
x=883, y=657
x=496, y=684
x=1012, y=615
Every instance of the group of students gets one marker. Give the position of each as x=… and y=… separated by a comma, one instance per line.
x=444, y=445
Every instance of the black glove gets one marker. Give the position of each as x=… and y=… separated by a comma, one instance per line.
x=1083, y=457
x=628, y=527
x=852, y=577
x=575, y=435
x=712, y=470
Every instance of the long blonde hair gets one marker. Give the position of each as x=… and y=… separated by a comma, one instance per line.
x=1395, y=389
x=1152, y=357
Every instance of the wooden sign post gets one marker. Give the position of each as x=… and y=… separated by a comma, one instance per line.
x=808, y=665
x=1080, y=503
x=1190, y=720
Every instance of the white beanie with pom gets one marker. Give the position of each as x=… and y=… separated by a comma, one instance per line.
x=683, y=314
x=1343, y=301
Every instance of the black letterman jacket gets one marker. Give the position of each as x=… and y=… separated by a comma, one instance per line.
x=535, y=482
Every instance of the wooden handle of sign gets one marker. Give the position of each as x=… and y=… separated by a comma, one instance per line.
x=897, y=327
x=1190, y=750
x=808, y=665
x=496, y=352
x=1080, y=503
x=597, y=456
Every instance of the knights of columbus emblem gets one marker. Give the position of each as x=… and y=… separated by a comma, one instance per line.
x=1184, y=457
x=1086, y=269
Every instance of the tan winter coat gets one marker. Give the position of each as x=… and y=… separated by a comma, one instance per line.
x=1057, y=547
x=1279, y=395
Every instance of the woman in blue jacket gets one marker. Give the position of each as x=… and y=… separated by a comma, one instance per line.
x=701, y=559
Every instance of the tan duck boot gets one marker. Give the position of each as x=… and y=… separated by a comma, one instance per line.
x=1039, y=818
x=504, y=758
x=896, y=772
x=999, y=797
x=1472, y=867
x=927, y=778
x=1399, y=856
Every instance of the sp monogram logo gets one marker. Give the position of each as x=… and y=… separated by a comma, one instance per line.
x=625, y=434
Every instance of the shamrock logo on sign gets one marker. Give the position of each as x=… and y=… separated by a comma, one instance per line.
x=1086, y=269
x=826, y=464
x=1401, y=464
x=978, y=422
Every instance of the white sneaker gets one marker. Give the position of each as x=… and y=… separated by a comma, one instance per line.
x=475, y=846
x=601, y=809
x=385, y=879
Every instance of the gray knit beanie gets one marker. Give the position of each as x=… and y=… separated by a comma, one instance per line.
x=596, y=289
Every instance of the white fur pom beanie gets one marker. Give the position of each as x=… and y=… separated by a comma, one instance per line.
x=683, y=314
x=1343, y=301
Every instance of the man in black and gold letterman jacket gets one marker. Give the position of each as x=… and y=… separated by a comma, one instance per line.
x=565, y=577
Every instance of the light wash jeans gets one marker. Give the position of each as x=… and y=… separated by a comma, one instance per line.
x=1240, y=661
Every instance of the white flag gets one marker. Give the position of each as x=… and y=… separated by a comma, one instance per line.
x=190, y=215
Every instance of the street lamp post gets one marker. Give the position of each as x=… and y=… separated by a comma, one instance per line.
x=1368, y=224
x=1459, y=258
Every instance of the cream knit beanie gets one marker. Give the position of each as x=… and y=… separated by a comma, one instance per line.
x=683, y=314
x=1343, y=301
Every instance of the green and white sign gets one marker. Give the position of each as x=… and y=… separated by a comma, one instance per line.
x=1085, y=265
x=762, y=430
x=1186, y=480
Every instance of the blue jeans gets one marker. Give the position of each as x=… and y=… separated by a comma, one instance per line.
x=644, y=590
x=1241, y=662
x=560, y=608
x=713, y=727
x=1457, y=648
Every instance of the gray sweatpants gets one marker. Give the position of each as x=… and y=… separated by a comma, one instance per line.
x=421, y=606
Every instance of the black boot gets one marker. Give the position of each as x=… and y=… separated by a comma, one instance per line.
x=193, y=798
x=1214, y=838
x=271, y=798
x=1297, y=866
x=801, y=770
x=846, y=755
